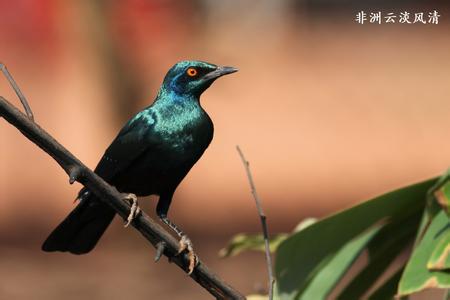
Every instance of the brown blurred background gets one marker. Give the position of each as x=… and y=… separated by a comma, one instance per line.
x=329, y=113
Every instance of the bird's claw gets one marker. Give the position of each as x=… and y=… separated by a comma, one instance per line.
x=134, y=210
x=186, y=244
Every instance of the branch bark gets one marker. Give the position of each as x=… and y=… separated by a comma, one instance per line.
x=263, y=218
x=77, y=171
x=16, y=89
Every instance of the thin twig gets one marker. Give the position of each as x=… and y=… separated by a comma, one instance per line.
x=19, y=93
x=263, y=218
x=152, y=231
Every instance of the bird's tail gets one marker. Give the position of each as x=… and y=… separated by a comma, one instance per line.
x=82, y=228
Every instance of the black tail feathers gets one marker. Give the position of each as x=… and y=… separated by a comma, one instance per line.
x=81, y=229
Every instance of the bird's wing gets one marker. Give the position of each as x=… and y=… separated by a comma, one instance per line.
x=135, y=139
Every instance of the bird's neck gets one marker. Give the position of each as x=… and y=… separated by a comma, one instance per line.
x=176, y=114
x=171, y=104
x=172, y=98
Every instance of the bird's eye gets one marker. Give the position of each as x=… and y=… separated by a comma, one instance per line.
x=191, y=72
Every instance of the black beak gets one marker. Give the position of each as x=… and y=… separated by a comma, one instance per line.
x=220, y=71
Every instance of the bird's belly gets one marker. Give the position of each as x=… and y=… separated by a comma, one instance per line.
x=160, y=170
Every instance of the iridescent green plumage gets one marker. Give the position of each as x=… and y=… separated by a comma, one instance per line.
x=151, y=155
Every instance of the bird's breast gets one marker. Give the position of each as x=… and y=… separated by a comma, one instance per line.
x=174, y=140
x=193, y=139
x=184, y=128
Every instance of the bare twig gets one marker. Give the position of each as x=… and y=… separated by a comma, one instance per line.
x=19, y=93
x=263, y=218
x=77, y=171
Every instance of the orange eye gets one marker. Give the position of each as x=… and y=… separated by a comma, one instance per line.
x=191, y=72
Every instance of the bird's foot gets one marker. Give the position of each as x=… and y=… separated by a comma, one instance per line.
x=134, y=210
x=186, y=244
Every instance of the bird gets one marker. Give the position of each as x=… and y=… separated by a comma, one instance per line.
x=151, y=155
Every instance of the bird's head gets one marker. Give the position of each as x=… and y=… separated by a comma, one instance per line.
x=192, y=78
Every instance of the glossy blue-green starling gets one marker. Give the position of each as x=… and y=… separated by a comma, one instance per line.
x=150, y=156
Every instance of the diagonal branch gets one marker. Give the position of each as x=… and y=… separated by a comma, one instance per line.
x=77, y=171
x=263, y=218
x=16, y=89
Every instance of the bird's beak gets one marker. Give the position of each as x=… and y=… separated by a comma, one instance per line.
x=220, y=71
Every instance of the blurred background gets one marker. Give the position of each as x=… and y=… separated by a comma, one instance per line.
x=329, y=113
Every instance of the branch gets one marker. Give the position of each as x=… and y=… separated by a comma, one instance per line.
x=263, y=218
x=16, y=89
x=77, y=171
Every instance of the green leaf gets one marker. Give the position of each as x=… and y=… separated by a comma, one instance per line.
x=257, y=297
x=417, y=276
x=328, y=276
x=442, y=196
x=304, y=223
x=437, y=199
x=432, y=207
x=298, y=256
x=244, y=242
x=388, y=289
x=440, y=257
x=383, y=249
